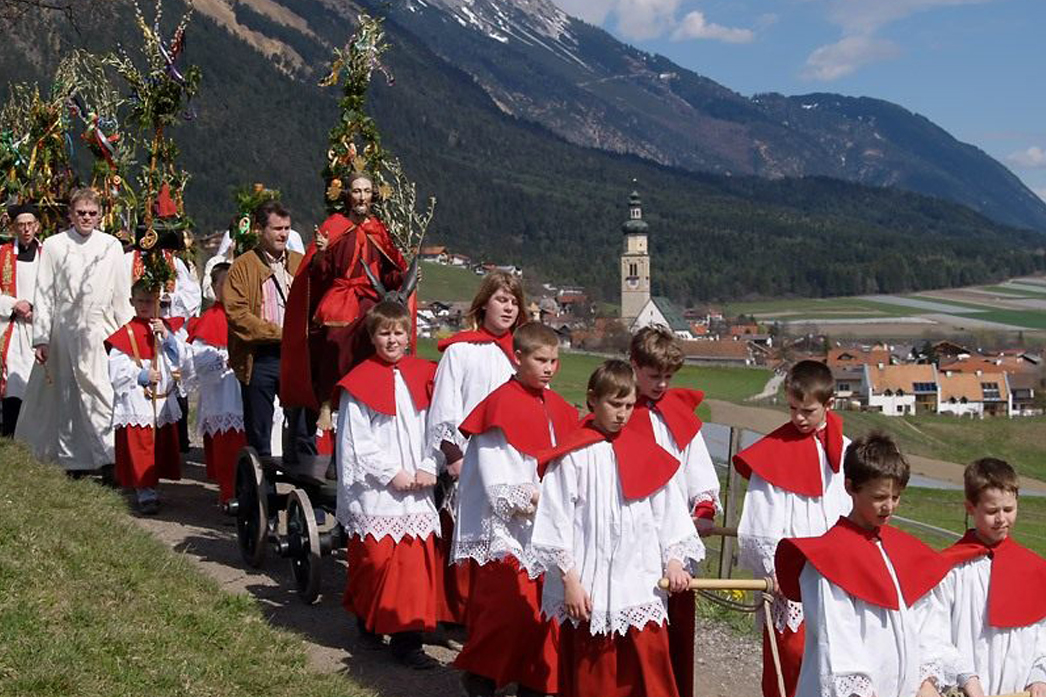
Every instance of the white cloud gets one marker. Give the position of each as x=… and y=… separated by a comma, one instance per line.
x=645, y=19
x=1032, y=158
x=695, y=26
x=833, y=61
x=867, y=16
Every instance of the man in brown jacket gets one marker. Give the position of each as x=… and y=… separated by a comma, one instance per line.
x=255, y=297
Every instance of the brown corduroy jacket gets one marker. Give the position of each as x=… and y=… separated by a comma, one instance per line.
x=242, y=297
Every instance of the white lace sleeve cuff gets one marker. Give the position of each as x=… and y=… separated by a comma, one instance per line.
x=936, y=670
x=510, y=500
x=444, y=432
x=549, y=558
x=703, y=496
x=689, y=549
x=1038, y=672
x=850, y=685
x=756, y=554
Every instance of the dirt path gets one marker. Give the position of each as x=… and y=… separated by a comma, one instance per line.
x=190, y=523
x=765, y=420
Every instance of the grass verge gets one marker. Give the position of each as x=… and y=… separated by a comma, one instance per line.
x=447, y=283
x=92, y=605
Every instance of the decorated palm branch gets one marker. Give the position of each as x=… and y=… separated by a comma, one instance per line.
x=241, y=230
x=160, y=96
x=355, y=144
x=94, y=103
x=34, y=154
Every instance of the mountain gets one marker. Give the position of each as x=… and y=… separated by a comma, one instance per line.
x=539, y=64
x=512, y=191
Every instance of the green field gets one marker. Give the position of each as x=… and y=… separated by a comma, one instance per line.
x=447, y=283
x=1019, y=292
x=729, y=384
x=93, y=605
x=822, y=308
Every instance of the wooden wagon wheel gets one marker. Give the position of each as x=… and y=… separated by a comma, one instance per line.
x=303, y=545
x=252, y=507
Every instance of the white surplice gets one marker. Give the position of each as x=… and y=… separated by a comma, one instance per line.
x=18, y=361
x=620, y=548
x=770, y=514
x=1007, y=660
x=466, y=374
x=132, y=406
x=81, y=298
x=220, y=406
x=372, y=448
x=856, y=649
x=495, y=517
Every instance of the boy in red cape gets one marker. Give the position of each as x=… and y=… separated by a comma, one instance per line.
x=609, y=525
x=865, y=589
x=795, y=489
x=385, y=491
x=666, y=415
x=475, y=362
x=991, y=606
x=219, y=413
x=145, y=404
x=508, y=640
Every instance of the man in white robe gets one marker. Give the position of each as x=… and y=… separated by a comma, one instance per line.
x=19, y=260
x=81, y=298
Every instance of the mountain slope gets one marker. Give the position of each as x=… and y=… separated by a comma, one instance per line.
x=512, y=192
x=539, y=64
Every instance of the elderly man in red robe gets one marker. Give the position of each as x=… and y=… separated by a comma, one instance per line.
x=323, y=335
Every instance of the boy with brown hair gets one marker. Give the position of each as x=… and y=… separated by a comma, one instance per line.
x=509, y=642
x=991, y=606
x=610, y=524
x=795, y=489
x=385, y=490
x=144, y=355
x=666, y=415
x=864, y=587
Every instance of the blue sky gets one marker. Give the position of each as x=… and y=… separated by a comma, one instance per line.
x=974, y=67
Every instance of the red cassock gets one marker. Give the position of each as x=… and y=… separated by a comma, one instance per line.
x=390, y=585
x=323, y=334
x=509, y=641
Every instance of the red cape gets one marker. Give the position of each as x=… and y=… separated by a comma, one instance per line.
x=643, y=467
x=1016, y=570
x=788, y=459
x=523, y=415
x=847, y=556
x=481, y=336
x=144, y=341
x=211, y=327
x=372, y=382
x=676, y=408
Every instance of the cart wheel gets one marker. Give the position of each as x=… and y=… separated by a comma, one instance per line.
x=252, y=507
x=303, y=541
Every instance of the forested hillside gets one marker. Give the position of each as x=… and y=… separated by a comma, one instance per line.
x=512, y=192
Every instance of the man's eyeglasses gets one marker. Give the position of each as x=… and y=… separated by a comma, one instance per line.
x=87, y=214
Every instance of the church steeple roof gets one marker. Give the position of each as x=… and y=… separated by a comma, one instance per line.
x=635, y=225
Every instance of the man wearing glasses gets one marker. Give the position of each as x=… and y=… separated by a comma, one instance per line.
x=19, y=260
x=81, y=298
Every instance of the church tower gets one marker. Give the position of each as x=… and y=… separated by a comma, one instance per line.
x=635, y=262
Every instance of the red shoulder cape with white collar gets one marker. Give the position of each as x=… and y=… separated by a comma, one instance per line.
x=676, y=408
x=1015, y=571
x=143, y=338
x=643, y=466
x=211, y=327
x=373, y=383
x=523, y=415
x=788, y=459
x=847, y=556
x=480, y=336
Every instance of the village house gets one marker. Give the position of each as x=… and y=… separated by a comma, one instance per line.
x=435, y=253
x=661, y=310
x=718, y=352
x=975, y=394
x=900, y=390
